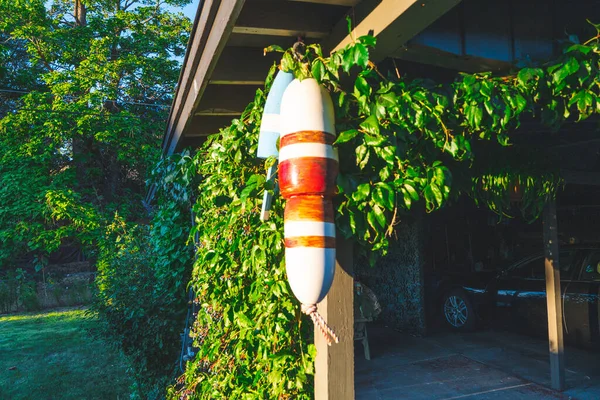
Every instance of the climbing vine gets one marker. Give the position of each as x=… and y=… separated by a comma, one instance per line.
x=402, y=144
x=407, y=142
x=249, y=330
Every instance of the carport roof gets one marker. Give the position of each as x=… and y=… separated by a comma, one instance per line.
x=225, y=64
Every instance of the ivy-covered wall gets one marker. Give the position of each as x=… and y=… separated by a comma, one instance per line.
x=397, y=278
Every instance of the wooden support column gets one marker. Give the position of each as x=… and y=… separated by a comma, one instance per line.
x=553, y=298
x=334, y=366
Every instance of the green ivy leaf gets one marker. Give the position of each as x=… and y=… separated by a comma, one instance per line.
x=273, y=48
x=346, y=136
x=361, y=86
x=362, y=192
x=569, y=68
x=318, y=70
x=371, y=126
x=368, y=40
x=384, y=195
x=474, y=115
x=361, y=55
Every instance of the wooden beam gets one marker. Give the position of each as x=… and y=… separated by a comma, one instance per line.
x=217, y=112
x=590, y=178
x=204, y=125
x=249, y=30
x=440, y=58
x=346, y=3
x=213, y=25
x=226, y=98
x=288, y=19
x=554, y=298
x=262, y=41
x=255, y=66
x=394, y=22
x=334, y=365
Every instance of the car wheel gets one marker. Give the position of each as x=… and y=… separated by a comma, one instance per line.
x=457, y=311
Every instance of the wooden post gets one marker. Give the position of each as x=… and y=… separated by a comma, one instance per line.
x=553, y=298
x=334, y=366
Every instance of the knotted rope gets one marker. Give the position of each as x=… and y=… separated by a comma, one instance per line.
x=329, y=334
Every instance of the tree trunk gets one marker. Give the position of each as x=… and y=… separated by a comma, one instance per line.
x=80, y=13
x=79, y=142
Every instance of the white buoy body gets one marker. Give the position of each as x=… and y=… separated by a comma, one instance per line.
x=270, y=130
x=308, y=166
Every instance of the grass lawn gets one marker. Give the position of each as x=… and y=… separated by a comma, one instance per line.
x=52, y=356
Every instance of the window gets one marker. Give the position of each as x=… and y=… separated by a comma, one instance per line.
x=532, y=269
x=535, y=268
x=566, y=261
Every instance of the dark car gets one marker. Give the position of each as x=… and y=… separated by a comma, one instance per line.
x=517, y=294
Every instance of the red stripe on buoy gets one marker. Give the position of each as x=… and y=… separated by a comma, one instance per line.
x=308, y=175
x=309, y=208
x=323, y=242
x=307, y=137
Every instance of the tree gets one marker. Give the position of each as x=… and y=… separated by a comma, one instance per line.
x=98, y=78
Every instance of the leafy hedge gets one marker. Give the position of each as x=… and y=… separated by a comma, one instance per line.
x=143, y=271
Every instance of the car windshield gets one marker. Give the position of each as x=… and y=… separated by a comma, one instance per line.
x=533, y=267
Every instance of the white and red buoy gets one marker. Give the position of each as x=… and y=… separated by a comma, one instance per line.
x=308, y=167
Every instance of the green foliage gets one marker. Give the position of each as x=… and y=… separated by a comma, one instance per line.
x=402, y=144
x=142, y=276
x=18, y=292
x=249, y=330
x=405, y=143
x=75, y=148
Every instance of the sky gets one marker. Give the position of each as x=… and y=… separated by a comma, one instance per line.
x=190, y=9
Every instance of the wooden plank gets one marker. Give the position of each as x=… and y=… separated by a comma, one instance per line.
x=488, y=30
x=433, y=56
x=262, y=41
x=589, y=178
x=347, y=3
x=226, y=97
x=283, y=18
x=444, y=33
x=218, y=112
x=334, y=365
x=256, y=66
x=250, y=30
x=204, y=125
x=394, y=22
x=207, y=44
x=205, y=16
x=533, y=30
x=554, y=298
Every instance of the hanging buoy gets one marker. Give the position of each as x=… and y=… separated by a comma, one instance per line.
x=308, y=167
x=270, y=131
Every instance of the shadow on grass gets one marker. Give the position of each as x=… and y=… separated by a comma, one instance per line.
x=53, y=356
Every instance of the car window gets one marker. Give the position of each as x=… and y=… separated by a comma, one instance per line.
x=591, y=267
x=530, y=270
x=566, y=262
x=535, y=268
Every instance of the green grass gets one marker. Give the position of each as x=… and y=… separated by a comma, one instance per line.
x=52, y=356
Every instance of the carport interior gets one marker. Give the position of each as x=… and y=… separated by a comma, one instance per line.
x=225, y=64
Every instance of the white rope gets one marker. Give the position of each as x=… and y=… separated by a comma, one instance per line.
x=318, y=320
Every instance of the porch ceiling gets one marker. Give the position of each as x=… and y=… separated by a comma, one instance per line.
x=225, y=64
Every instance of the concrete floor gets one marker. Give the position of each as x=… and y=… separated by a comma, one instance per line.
x=486, y=364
